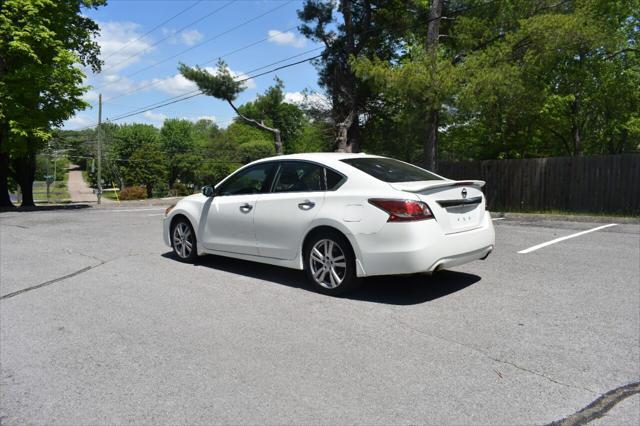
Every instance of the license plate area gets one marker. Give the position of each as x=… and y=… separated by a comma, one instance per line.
x=463, y=217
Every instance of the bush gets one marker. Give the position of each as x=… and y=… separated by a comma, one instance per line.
x=179, y=190
x=133, y=193
x=255, y=150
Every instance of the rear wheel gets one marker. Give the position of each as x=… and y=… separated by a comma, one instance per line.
x=330, y=263
x=183, y=240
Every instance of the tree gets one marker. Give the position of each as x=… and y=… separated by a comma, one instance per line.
x=224, y=86
x=146, y=166
x=178, y=143
x=270, y=108
x=341, y=41
x=137, y=151
x=42, y=42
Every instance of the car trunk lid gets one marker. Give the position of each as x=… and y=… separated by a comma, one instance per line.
x=458, y=206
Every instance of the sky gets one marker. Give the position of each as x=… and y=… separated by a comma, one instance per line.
x=142, y=42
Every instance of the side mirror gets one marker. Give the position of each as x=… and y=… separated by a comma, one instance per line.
x=208, y=191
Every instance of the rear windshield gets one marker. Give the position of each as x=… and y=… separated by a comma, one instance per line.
x=390, y=170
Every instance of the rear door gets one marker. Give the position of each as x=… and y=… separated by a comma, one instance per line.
x=282, y=216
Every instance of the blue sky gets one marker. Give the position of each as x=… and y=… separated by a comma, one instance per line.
x=140, y=71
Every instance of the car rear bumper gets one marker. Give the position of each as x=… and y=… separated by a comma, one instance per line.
x=408, y=248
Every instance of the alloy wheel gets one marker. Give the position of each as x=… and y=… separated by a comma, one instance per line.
x=183, y=240
x=327, y=263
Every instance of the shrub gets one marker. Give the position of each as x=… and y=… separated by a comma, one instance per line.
x=179, y=190
x=255, y=150
x=133, y=193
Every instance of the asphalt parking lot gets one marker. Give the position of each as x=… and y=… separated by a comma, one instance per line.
x=100, y=324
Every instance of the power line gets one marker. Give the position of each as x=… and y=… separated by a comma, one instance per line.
x=200, y=93
x=166, y=21
x=190, y=95
x=240, y=49
x=172, y=35
x=155, y=64
x=195, y=92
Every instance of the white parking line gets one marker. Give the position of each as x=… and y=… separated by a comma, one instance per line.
x=557, y=240
x=499, y=218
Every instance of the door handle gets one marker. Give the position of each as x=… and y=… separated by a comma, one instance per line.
x=246, y=208
x=306, y=205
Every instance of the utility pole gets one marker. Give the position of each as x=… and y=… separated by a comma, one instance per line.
x=47, y=178
x=99, y=147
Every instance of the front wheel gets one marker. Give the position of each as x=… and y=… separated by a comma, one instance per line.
x=330, y=263
x=183, y=241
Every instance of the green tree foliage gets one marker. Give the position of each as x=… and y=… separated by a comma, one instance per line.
x=137, y=156
x=42, y=42
x=224, y=86
x=513, y=79
x=269, y=108
x=178, y=144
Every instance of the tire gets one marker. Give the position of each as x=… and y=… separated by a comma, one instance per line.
x=183, y=241
x=334, y=274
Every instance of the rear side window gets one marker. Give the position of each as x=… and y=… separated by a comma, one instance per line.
x=298, y=176
x=334, y=180
x=390, y=170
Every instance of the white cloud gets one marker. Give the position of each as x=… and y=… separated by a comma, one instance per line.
x=152, y=116
x=312, y=99
x=174, y=85
x=287, y=38
x=203, y=117
x=191, y=37
x=78, y=121
x=121, y=45
x=177, y=84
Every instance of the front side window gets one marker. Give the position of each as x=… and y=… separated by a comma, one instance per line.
x=250, y=181
x=390, y=170
x=298, y=176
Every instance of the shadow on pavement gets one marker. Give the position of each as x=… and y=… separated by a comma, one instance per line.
x=393, y=290
x=42, y=208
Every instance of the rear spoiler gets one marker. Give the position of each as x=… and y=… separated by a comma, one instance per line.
x=435, y=184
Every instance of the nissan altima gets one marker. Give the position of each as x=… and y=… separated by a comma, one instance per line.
x=336, y=216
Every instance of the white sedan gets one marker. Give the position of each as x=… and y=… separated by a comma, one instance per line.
x=337, y=217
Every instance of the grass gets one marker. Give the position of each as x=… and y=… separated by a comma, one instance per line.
x=111, y=195
x=58, y=191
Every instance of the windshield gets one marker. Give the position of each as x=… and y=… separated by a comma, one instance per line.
x=390, y=170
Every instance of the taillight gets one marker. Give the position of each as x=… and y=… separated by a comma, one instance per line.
x=403, y=210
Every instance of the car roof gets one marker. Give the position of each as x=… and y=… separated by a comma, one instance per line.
x=318, y=156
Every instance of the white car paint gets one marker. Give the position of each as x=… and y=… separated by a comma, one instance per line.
x=274, y=229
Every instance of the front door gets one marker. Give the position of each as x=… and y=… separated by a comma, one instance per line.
x=229, y=224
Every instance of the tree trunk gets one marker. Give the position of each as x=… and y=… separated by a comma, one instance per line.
x=278, y=142
x=354, y=137
x=575, y=128
x=5, y=200
x=25, y=173
x=342, y=138
x=431, y=138
x=431, y=143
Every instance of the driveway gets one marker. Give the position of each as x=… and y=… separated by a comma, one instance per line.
x=79, y=190
x=100, y=324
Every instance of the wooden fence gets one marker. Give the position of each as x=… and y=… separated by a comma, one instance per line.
x=603, y=184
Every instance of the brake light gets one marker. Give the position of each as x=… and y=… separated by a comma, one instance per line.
x=403, y=210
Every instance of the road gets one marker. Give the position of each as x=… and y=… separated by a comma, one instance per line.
x=100, y=324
